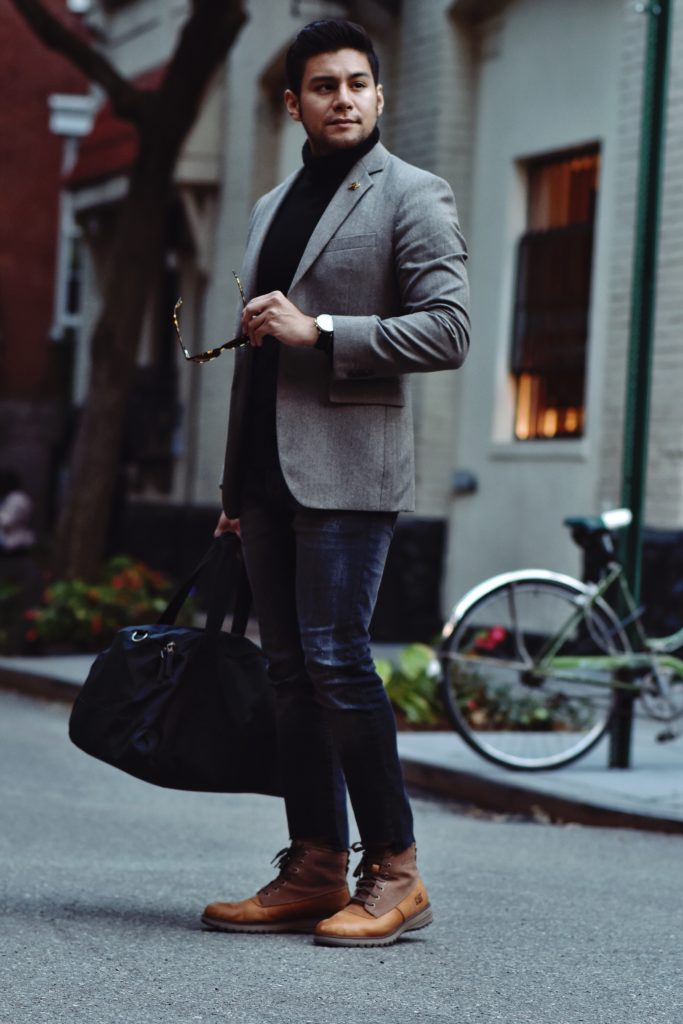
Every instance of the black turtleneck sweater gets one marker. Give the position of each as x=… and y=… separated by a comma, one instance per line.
x=283, y=247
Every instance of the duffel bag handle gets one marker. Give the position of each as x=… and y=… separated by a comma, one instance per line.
x=243, y=599
x=217, y=560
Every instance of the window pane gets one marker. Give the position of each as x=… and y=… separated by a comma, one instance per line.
x=553, y=293
x=549, y=405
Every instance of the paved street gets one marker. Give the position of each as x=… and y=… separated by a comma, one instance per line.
x=102, y=879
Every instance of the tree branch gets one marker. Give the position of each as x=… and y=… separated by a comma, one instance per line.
x=207, y=36
x=128, y=102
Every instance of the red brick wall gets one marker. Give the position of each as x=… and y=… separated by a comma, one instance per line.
x=30, y=164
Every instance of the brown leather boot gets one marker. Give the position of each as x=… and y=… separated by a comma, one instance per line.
x=390, y=899
x=311, y=884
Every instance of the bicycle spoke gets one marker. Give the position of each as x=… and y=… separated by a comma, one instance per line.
x=519, y=635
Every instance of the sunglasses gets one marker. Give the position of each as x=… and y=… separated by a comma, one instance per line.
x=211, y=353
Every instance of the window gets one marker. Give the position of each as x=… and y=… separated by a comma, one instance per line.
x=552, y=298
x=70, y=271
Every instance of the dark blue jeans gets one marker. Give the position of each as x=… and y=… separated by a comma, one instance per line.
x=315, y=576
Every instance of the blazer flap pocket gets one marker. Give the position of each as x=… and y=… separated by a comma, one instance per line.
x=377, y=391
x=351, y=242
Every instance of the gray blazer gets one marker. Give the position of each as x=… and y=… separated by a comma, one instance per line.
x=386, y=259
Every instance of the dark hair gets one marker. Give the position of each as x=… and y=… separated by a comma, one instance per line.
x=327, y=37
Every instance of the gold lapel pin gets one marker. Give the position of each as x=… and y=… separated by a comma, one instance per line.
x=353, y=186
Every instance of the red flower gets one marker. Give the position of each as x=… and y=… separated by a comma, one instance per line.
x=133, y=579
x=31, y=614
x=490, y=639
x=96, y=624
x=31, y=635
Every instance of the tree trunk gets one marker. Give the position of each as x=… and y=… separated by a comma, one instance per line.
x=136, y=255
x=83, y=524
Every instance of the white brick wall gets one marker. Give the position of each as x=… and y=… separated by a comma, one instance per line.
x=432, y=126
x=548, y=80
x=621, y=256
x=664, y=505
x=664, y=496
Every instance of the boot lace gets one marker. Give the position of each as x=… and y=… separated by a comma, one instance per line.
x=287, y=862
x=373, y=873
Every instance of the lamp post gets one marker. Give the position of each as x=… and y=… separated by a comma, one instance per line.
x=639, y=368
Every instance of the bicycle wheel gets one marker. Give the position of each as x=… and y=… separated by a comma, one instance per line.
x=517, y=677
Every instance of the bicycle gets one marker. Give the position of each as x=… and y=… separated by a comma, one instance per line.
x=531, y=661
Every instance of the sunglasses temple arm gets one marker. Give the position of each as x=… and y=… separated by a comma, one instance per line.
x=241, y=289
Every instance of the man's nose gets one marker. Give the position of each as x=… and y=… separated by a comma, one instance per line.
x=343, y=97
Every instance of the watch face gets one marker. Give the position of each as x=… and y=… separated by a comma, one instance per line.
x=324, y=323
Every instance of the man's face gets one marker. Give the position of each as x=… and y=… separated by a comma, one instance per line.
x=339, y=102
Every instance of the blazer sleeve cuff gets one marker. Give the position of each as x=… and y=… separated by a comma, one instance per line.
x=351, y=354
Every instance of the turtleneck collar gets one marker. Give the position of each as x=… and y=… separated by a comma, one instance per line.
x=338, y=163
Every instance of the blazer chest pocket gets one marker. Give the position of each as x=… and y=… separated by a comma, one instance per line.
x=345, y=242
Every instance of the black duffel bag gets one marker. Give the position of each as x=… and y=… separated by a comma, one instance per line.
x=182, y=707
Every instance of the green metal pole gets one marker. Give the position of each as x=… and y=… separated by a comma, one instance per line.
x=639, y=370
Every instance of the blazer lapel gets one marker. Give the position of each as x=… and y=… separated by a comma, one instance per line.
x=266, y=214
x=354, y=186
x=249, y=269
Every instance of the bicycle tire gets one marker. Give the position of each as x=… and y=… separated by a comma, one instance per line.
x=501, y=708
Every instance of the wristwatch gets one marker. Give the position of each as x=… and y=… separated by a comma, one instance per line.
x=325, y=326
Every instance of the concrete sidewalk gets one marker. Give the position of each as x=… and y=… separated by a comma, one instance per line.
x=647, y=796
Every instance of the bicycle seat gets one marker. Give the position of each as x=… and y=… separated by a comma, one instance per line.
x=614, y=519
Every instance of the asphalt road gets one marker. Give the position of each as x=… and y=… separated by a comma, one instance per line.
x=102, y=879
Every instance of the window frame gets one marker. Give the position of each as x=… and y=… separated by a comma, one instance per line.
x=550, y=221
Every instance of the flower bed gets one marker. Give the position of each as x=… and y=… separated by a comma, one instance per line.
x=78, y=616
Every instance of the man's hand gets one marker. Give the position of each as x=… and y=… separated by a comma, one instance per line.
x=275, y=315
x=226, y=525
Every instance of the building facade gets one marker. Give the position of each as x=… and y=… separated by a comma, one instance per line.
x=531, y=110
x=33, y=371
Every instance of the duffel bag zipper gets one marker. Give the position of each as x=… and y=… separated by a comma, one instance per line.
x=167, y=656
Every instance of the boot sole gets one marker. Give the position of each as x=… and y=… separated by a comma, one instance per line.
x=260, y=929
x=412, y=924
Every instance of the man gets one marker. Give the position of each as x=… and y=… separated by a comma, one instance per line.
x=355, y=268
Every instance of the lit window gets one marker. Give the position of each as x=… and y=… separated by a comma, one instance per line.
x=550, y=329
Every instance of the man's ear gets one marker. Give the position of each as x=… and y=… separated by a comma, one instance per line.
x=380, y=99
x=292, y=104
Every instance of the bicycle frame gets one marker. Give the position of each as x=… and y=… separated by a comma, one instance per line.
x=653, y=649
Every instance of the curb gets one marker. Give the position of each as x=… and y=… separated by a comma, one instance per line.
x=33, y=684
x=509, y=798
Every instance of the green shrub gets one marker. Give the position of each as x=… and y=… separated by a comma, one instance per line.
x=412, y=684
